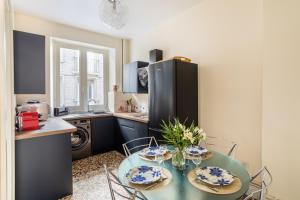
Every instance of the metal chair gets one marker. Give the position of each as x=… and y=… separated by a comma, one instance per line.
x=221, y=145
x=129, y=192
x=138, y=144
x=258, y=191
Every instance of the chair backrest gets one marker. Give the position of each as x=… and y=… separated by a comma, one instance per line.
x=220, y=144
x=138, y=144
x=123, y=191
x=266, y=179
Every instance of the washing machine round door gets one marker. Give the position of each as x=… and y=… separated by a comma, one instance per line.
x=79, y=138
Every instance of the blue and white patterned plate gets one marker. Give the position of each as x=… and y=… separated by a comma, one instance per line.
x=214, y=176
x=196, y=150
x=153, y=151
x=144, y=175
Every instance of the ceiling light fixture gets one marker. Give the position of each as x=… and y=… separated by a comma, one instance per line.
x=113, y=13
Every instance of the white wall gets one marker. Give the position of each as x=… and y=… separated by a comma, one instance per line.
x=248, y=56
x=224, y=38
x=36, y=25
x=281, y=96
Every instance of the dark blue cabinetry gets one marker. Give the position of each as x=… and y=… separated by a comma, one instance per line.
x=127, y=130
x=102, y=134
x=44, y=167
x=29, y=63
x=131, y=79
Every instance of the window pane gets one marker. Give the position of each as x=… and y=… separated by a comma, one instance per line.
x=69, y=77
x=95, y=78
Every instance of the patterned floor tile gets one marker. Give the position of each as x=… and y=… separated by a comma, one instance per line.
x=89, y=180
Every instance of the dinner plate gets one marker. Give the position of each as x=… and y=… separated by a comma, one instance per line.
x=144, y=175
x=153, y=151
x=214, y=176
x=196, y=150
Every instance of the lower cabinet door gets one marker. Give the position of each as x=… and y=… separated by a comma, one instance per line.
x=43, y=167
x=102, y=134
x=128, y=130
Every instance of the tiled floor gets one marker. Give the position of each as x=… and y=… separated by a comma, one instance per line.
x=89, y=180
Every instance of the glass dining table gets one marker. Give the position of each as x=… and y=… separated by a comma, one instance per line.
x=180, y=188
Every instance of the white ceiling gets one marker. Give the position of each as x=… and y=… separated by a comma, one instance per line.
x=143, y=15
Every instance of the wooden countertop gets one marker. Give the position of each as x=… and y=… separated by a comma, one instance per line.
x=52, y=126
x=85, y=116
x=58, y=125
x=133, y=116
x=130, y=116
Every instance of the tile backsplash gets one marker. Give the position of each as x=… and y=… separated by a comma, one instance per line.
x=117, y=100
x=23, y=98
x=141, y=102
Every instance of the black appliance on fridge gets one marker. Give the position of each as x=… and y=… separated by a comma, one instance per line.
x=173, y=92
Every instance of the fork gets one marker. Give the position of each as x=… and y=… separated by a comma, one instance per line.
x=163, y=178
x=210, y=187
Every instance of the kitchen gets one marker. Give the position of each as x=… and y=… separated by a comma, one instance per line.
x=189, y=94
x=100, y=128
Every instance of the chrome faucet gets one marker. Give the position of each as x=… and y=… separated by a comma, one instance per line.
x=91, y=100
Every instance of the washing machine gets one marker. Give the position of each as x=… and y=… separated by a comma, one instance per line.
x=81, y=139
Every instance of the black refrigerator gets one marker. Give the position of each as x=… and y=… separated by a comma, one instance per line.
x=173, y=92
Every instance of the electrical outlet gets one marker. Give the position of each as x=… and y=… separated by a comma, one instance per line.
x=143, y=108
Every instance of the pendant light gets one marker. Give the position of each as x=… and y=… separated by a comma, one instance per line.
x=113, y=13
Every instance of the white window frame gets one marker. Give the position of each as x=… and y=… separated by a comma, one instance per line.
x=83, y=67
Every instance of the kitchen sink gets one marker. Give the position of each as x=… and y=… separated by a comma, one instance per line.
x=99, y=112
x=89, y=113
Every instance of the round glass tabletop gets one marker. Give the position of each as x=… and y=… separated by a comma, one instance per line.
x=180, y=188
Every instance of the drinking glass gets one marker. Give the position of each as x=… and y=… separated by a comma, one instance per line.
x=164, y=147
x=197, y=159
x=159, y=158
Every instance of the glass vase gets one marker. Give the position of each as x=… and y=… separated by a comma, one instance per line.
x=178, y=159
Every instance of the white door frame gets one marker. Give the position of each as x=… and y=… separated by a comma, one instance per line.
x=7, y=104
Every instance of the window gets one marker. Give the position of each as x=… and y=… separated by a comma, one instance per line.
x=69, y=77
x=95, y=78
x=79, y=76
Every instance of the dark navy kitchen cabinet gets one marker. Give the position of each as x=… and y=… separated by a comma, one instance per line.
x=127, y=130
x=102, y=134
x=44, y=167
x=135, y=77
x=29, y=63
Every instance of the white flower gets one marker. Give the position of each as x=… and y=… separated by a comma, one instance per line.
x=200, y=130
x=192, y=140
x=187, y=134
x=182, y=127
x=203, y=136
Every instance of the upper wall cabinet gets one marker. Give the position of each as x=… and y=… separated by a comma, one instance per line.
x=135, y=77
x=29, y=63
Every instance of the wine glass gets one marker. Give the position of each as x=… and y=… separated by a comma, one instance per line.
x=164, y=147
x=159, y=158
x=197, y=159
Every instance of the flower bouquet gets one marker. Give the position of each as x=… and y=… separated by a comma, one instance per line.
x=181, y=136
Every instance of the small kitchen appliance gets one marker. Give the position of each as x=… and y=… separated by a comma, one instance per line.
x=60, y=111
x=27, y=121
x=35, y=106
